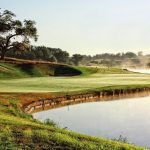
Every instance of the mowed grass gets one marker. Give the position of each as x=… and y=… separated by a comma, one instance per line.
x=69, y=84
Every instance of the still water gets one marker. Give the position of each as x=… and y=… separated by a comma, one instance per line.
x=147, y=71
x=110, y=119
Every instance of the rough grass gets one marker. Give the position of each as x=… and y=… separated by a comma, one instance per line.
x=8, y=70
x=19, y=131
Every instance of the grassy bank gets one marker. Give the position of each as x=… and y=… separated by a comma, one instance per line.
x=19, y=131
x=21, y=85
x=33, y=69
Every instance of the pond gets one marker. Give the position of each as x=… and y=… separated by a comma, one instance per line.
x=129, y=118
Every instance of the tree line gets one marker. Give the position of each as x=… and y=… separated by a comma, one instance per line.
x=42, y=53
x=15, y=37
x=57, y=55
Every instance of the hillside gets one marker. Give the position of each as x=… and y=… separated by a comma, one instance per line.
x=34, y=69
x=18, y=68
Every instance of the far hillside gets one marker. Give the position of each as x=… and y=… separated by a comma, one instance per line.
x=18, y=68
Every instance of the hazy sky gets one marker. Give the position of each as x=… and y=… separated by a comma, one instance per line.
x=88, y=26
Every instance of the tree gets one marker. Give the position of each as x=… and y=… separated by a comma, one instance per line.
x=14, y=34
x=61, y=56
x=130, y=55
x=76, y=58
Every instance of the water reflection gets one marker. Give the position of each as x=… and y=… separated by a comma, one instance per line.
x=140, y=70
x=129, y=118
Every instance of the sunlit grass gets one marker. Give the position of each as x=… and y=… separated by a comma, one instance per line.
x=66, y=84
x=23, y=132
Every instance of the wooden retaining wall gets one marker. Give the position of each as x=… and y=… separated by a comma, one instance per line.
x=77, y=98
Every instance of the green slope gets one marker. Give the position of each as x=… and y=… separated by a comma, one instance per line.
x=8, y=70
x=19, y=131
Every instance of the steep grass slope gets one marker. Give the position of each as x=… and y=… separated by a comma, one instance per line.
x=9, y=70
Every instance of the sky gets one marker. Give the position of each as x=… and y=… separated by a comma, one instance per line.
x=88, y=26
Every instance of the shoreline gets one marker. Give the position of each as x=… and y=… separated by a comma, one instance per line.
x=70, y=99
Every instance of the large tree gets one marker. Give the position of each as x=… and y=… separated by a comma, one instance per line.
x=14, y=34
x=76, y=59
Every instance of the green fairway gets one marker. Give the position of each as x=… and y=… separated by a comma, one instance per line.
x=66, y=84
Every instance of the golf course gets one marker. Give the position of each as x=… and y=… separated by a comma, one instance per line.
x=75, y=78
x=18, y=130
